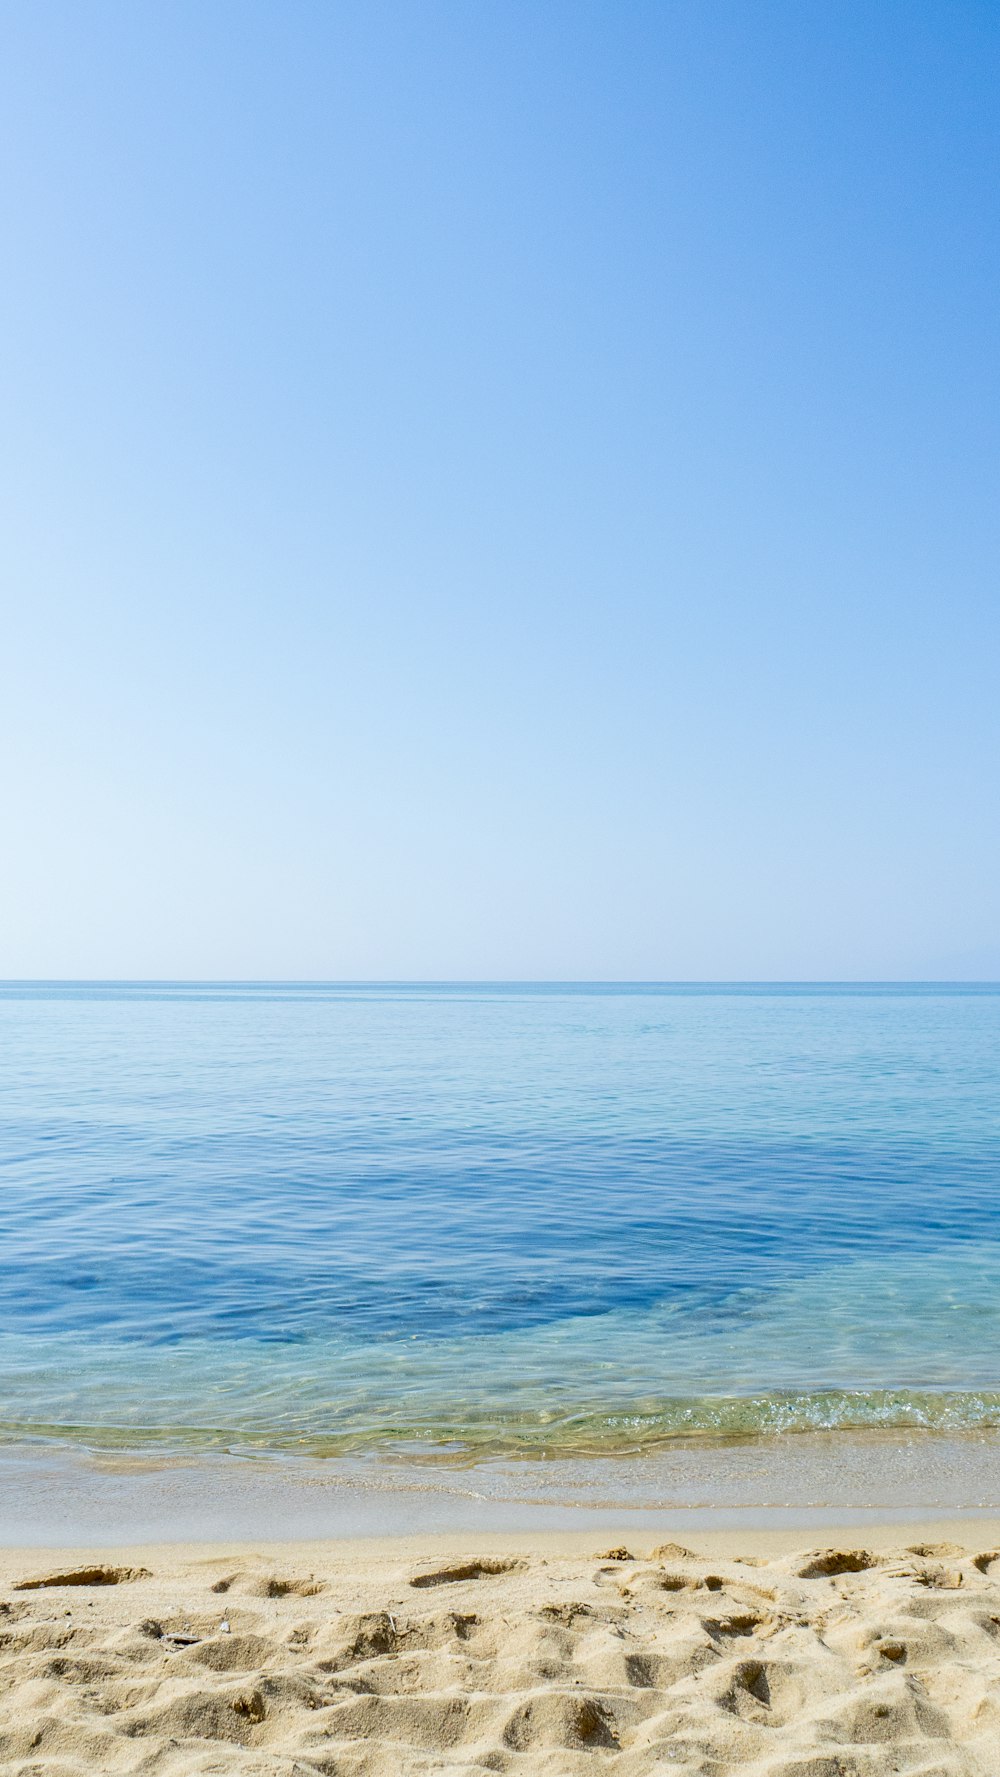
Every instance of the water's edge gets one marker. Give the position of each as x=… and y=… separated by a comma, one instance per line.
x=660, y=1426
x=52, y=1494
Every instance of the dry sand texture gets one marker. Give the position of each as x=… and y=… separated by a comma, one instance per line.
x=840, y=1662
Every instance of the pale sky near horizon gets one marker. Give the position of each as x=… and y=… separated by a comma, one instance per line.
x=500, y=491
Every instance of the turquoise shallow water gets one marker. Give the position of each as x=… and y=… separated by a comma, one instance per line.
x=459, y=1220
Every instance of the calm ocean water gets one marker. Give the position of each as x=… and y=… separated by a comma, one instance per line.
x=496, y=1218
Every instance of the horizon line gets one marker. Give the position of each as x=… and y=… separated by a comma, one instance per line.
x=498, y=981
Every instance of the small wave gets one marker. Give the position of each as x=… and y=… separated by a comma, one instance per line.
x=703, y=1419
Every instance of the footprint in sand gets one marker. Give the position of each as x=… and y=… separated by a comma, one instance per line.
x=828, y=1563
x=85, y=1576
x=466, y=1570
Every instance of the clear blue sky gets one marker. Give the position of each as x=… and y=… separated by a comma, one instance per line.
x=500, y=489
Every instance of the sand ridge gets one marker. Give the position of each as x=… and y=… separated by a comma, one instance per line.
x=837, y=1661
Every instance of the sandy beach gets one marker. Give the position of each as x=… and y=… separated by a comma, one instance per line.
x=733, y=1652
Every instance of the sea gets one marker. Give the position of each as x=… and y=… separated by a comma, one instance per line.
x=462, y=1223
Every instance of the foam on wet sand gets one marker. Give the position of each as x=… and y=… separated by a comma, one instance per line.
x=560, y=1654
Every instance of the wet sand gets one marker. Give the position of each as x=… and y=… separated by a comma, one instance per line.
x=63, y=1494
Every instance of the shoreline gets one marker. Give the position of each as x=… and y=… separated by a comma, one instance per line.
x=54, y=1495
